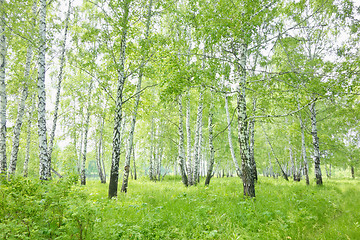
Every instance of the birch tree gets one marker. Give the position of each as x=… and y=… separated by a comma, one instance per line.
x=114, y=173
x=136, y=104
x=45, y=164
x=60, y=78
x=87, y=121
x=3, y=97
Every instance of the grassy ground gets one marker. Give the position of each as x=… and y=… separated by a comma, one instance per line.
x=167, y=210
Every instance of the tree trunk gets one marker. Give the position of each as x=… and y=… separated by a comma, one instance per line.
x=303, y=149
x=45, y=164
x=315, y=144
x=353, y=172
x=60, y=78
x=248, y=180
x=181, y=156
x=272, y=150
x=114, y=173
x=136, y=105
x=98, y=149
x=211, y=145
x=198, y=138
x=134, y=163
x=237, y=168
x=188, y=135
x=3, y=99
x=83, y=170
x=28, y=138
x=21, y=107
x=252, y=144
x=152, y=149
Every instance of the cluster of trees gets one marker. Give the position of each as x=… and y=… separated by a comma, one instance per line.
x=199, y=87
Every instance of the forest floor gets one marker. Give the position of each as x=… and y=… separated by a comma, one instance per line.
x=168, y=210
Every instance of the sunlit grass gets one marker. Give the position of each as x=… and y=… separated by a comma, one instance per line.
x=168, y=210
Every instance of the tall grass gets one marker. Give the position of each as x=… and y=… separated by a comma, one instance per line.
x=168, y=210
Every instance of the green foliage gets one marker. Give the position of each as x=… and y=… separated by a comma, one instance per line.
x=167, y=210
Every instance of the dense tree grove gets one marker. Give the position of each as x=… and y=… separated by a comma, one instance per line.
x=192, y=88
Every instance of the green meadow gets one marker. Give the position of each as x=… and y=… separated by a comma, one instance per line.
x=167, y=210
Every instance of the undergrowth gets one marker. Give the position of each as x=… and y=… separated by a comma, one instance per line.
x=61, y=209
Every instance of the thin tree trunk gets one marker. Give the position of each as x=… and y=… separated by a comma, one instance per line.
x=353, y=172
x=21, y=107
x=198, y=138
x=237, y=168
x=252, y=143
x=303, y=149
x=181, y=156
x=114, y=173
x=315, y=144
x=28, y=139
x=3, y=98
x=211, y=145
x=81, y=142
x=272, y=149
x=60, y=78
x=83, y=170
x=98, y=147
x=136, y=105
x=134, y=163
x=45, y=164
x=188, y=135
x=152, y=149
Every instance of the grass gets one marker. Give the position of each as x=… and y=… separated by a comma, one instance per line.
x=168, y=210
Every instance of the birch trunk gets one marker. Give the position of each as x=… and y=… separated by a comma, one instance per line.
x=60, y=78
x=28, y=139
x=136, y=105
x=252, y=143
x=303, y=149
x=134, y=163
x=99, y=146
x=81, y=142
x=152, y=148
x=211, y=145
x=237, y=168
x=181, y=157
x=20, y=114
x=45, y=165
x=114, y=173
x=315, y=144
x=198, y=138
x=188, y=135
x=248, y=180
x=3, y=99
x=83, y=170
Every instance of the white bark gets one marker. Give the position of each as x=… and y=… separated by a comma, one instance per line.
x=60, y=78
x=243, y=134
x=303, y=149
x=233, y=156
x=316, y=153
x=114, y=173
x=3, y=98
x=83, y=170
x=136, y=105
x=28, y=138
x=211, y=145
x=188, y=142
x=44, y=169
x=198, y=138
x=181, y=156
x=21, y=107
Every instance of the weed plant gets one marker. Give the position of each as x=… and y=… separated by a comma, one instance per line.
x=61, y=209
